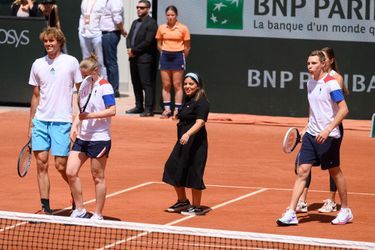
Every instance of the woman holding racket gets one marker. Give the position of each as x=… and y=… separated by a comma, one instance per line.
x=92, y=128
x=186, y=164
x=173, y=39
x=329, y=203
x=321, y=138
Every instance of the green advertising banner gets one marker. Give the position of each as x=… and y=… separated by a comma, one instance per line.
x=19, y=47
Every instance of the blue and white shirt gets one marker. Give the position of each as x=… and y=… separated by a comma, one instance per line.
x=102, y=97
x=323, y=96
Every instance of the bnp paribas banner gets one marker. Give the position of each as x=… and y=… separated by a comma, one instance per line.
x=253, y=53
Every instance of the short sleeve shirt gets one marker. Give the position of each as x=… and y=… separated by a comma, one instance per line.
x=173, y=38
x=323, y=96
x=56, y=79
x=102, y=96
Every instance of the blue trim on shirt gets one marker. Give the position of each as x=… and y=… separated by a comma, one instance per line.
x=337, y=95
x=109, y=100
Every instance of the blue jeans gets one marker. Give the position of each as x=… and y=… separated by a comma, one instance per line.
x=110, y=41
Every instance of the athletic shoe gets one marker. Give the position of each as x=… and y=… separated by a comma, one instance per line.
x=344, y=216
x=96, y=217
x=193, y=211
x=289, y=218
x=179, y=206
x=301, y=207
x=79, y=213
x=328, y=206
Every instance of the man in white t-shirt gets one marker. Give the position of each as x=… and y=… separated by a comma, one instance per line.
x=53, y=77
x=321, y=138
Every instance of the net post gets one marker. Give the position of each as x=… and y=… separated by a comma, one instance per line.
x=372, y=130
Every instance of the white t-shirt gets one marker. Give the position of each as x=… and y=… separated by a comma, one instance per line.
x=56, y=79
x=113, y=14
x=102, y=96
x=91, y=13
x=323, y=96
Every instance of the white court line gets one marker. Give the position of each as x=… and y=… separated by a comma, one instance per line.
x=86, y=202
x=269, y=188
x=185, y=218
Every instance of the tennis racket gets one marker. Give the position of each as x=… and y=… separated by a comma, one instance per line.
x=84, y=93
x=24, y=159
x=291, y=139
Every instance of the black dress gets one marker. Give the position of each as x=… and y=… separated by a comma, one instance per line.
x=185, y=166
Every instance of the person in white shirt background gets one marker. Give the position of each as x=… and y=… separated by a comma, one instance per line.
x=89, y=33
x=112, y=27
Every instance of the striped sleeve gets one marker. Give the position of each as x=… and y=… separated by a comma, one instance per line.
x=108, y=95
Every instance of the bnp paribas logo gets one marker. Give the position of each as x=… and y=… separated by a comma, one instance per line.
x=225, y=14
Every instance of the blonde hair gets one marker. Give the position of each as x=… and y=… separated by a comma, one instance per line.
x=54, y=33
x=90, y=63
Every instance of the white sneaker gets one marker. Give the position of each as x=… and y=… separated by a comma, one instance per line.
x=96, y=217
x=289, y=218
x=301, y=207
x=79, y=213
x=344, y=216
x=328, y=206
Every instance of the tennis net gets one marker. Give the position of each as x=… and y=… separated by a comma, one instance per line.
x=34, y=231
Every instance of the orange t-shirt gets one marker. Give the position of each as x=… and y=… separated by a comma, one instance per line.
x=173, y=38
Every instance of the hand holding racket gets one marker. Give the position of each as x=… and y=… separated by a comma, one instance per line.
x=291, y=140
x=24, y=159
x=84, y=93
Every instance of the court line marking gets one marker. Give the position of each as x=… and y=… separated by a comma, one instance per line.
x=86, y=202
x=269, y=188
x=186, y=218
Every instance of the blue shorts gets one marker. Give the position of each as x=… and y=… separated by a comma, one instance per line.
x=172, y=60
x=327, y=155
x=54, y=136
x=93, y=149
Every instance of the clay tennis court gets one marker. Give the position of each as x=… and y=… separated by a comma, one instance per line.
x=248, y=177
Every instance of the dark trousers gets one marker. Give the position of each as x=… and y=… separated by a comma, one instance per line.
x=110, y=41
x=142, y=75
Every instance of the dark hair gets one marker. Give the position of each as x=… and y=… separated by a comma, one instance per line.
x=48, y=1
x=331, y=55
x=172, y=8
x=198, y=80
x=146, y=2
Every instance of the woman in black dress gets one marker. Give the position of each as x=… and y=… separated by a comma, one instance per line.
x=185, y=166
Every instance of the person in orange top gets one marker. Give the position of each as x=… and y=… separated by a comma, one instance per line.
x=174, y=46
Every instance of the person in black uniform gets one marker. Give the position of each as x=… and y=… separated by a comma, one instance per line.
x=142, y=50
x=186, y=164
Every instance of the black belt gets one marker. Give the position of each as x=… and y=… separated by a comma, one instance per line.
x=114, y=31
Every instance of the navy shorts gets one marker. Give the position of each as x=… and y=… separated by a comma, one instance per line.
x=327, y=155
x=172, y=60
x=93, y=149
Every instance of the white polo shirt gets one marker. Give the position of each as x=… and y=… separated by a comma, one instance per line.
x=56, y=79
x=113, y=15
x=102, y=96
x=323, y=96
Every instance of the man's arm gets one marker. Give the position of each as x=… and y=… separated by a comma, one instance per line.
x=33, y=105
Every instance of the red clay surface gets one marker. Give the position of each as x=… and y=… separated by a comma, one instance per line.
x=245, y=156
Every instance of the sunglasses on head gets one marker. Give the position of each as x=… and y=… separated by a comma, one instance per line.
x=141, y=7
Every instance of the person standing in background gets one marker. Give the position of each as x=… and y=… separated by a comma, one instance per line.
x=50, y=12
x=89, y=33
x=142, y=51
x=24, y=8
x=112, y=27
x=174, y=46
